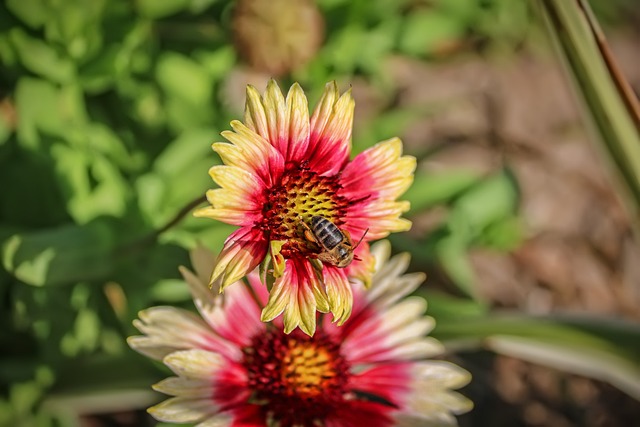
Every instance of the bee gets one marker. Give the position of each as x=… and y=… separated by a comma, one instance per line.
x=336, y=245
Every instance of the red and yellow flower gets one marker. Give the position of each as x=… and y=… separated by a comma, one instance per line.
x=233, y=370
x=280, y=169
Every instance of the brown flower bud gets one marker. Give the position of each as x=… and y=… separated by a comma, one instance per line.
x=277, y=36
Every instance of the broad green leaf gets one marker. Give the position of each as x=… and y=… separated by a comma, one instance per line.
x=217, y=62
x=94, y=186
x=427, y=32
x=190, y=147
x=170, y=291
x=34, y=13
x=344, y=50
x=490, y=200
x=504, y=235
x=37, y=102
x=60, y=256
x=432, y=188
x=184, y=78
x=451, y=252
x=87, y=329
x=600, y=348
x=41, y=58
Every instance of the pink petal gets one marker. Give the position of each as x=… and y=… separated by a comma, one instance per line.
x=238, y=320
x=379, y=217
x=243, y=250
x=358, y=413
x=331, y=124
x=391, y=381
x=380, y=171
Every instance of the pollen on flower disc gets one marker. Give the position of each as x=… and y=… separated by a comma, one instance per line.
x=300, y=195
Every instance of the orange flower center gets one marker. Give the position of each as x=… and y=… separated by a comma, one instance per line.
x=295, y=378
x=300, y=195
x=306, y=368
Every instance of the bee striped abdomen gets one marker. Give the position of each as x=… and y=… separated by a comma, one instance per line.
x=326, y=232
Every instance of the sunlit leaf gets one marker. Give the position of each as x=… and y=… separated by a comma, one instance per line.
x=427, y=32
x=599, y=348
x=183, y=78
x=41, y=58
x=60, y=256
x=432, y=188
x=491, y=199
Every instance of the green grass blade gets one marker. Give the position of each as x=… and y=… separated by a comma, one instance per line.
x=609, y=102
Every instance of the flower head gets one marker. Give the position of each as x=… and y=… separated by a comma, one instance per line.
x=281, y=169
x=233, y=370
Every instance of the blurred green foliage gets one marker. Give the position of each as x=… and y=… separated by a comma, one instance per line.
x=107, y=112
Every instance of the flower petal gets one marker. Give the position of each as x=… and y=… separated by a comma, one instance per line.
x=397, y=333
x=241, y=199
x=238, y=319
x=195, y=363
x=431, y=401
x=338, y=293
x=183, y=410
x=388, y=173
x=243, y=250
x=185, y=387
x=259, y=156
x=277, y=120
x=297, y=294
x=219, y=420
x=255, y=117
x=167, y=329
x=298, y=111
x=377, y=177
x=379, y=217
x=331, y=124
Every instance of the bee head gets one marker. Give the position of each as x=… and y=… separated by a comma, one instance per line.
x=345, y=256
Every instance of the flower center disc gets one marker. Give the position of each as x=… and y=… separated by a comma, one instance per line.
x=296, y=378
x=301, y=195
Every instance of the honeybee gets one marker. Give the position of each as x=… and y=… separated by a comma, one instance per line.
x=336, y=245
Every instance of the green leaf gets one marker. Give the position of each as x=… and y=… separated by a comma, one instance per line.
x=42, y=59
x=218, y=62
x=426, y=32
x=184, y=78
x=490, y=200
x=430, y=189
x=34, y=13
x=94, y=185
x=37, y=102
x=61, y=255
x=158, y=9
x=451, y=252
x=611, y=104
x=170, y=291
x=443, y=305
x=600, y=348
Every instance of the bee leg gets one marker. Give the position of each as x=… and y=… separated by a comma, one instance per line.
x=308, y=234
